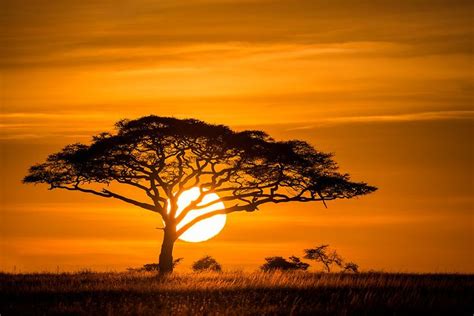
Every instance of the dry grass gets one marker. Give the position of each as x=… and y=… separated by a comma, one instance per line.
x=236, y=293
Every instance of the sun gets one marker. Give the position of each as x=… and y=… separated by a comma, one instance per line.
x=205, y=229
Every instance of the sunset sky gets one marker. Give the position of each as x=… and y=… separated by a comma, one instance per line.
x=385, y=85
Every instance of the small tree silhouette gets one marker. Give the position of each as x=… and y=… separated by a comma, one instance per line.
x=325, y=256
x=156, y=266
x=280, y=263
x=150, y=267
x=206, y=263
x=351, y=267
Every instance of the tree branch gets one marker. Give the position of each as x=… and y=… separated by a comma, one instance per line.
x=134, y=202
x=109, y=194
x=235, y=208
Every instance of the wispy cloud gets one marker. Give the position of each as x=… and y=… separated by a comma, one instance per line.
x=36, y=125
x=54, y=116
x=407, y=117
x=85, y=33
x=77, y=125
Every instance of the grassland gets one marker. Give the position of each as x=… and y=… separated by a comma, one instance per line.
x=236, y=293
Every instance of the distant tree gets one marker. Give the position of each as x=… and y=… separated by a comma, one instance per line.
x=280, y=263
x=351, y=267
x=151, y=267
x=156, y=266
x=161, y=157
x=325, y=256
x=206, y=263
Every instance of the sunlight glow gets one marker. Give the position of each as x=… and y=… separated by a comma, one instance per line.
x=205, y=229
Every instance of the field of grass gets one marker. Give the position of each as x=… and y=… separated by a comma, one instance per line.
x=236, y=293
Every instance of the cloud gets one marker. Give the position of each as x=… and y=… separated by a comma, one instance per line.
x=34, y=125
x=68, y=27
x=82, y=126
x=407, y=117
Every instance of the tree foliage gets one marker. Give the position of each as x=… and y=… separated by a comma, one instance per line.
x=324, y=255
x=162, y=157
x=206, y=263
x=149, y=267
x=281, y=264
x=351, y=267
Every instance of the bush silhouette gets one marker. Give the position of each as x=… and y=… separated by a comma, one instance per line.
x=149, y=267
x=351, y=267
x=206, y=263
x=280, y=263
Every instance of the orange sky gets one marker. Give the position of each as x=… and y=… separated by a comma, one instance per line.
x=386, y=85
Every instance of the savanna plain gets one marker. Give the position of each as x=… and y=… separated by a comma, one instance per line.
x=236, y=293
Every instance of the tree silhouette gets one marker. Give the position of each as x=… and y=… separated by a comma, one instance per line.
x=280, y=263
x=206, y=263
x=161, y=157
x=322, y=254
x=351, y=267
x=155, y=266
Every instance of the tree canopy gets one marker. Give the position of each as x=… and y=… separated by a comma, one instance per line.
x=280, y=263
x=164, y=156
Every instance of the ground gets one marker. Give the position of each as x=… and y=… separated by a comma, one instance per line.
x=236, y=293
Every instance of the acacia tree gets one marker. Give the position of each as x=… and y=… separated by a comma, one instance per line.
x=326, y=257
x=162, y=157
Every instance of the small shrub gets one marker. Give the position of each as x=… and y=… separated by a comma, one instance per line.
x=351, y=267
x=177, y=261
x=280, y=263
x=150, y=267
x=206, y=263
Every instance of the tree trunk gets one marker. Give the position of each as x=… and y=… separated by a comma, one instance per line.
x=166, y=255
